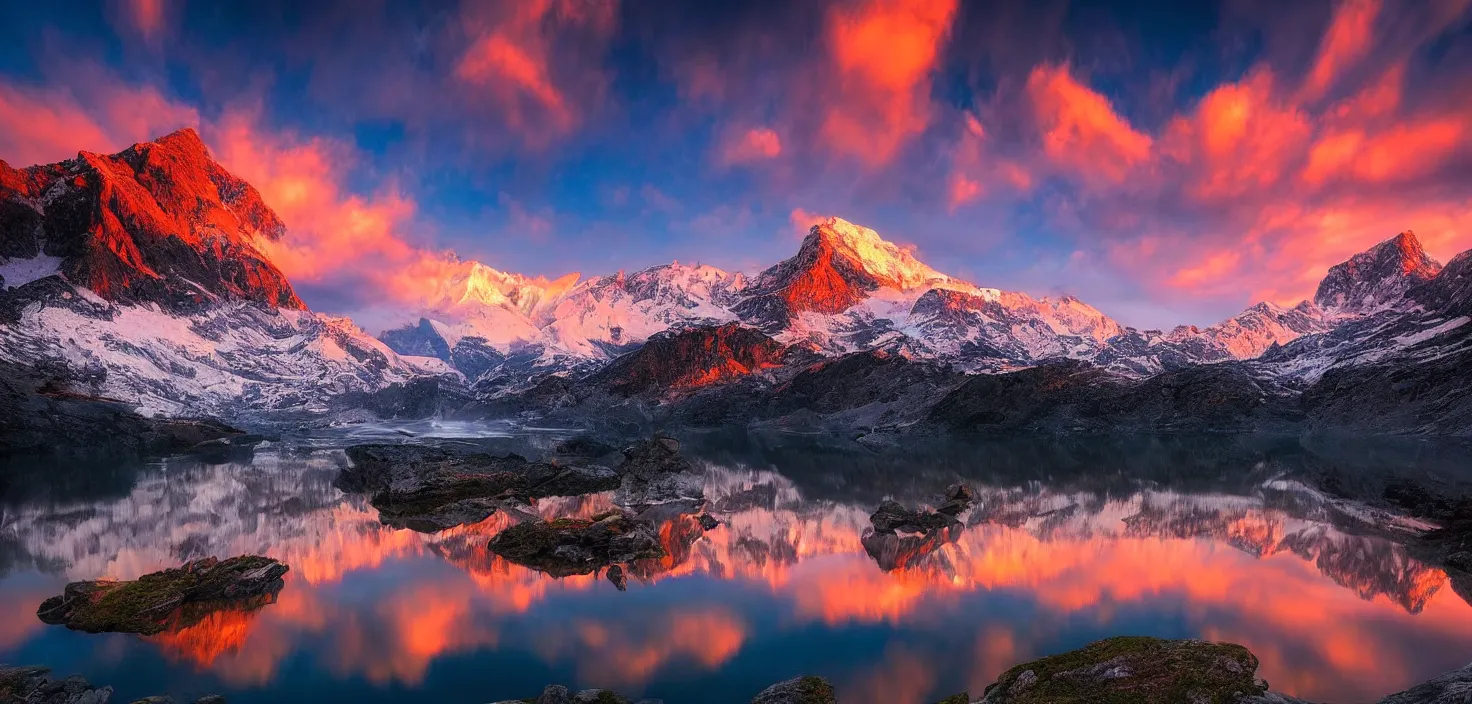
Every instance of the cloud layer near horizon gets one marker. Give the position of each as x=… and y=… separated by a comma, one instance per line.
x=1165, y=166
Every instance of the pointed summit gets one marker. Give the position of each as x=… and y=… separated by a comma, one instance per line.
x=838, y=265
x=1378, y=277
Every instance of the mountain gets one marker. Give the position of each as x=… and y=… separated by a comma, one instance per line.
x=159, y=222
x=141, y=276
x=137, y=276
x=1378, y=277
x=849, y=290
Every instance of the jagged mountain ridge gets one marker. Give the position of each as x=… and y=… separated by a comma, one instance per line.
x=848, y=290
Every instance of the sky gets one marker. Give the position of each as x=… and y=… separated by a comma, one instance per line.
x=1166, y=162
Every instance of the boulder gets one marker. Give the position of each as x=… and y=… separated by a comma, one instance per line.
x=430, y=489
x=33, y=685
x=169, y=598
x=569, y=546
x=891, y=517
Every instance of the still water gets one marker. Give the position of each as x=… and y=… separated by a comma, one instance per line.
x=1251, y=540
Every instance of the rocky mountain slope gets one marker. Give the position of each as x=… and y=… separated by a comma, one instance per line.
x=849, y=290
x=139, y=274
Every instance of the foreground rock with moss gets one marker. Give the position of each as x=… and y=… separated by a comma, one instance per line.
x=1134, y=670
x=176, y=597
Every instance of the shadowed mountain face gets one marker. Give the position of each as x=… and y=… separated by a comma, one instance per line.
x=160, y=222
x=691, y=359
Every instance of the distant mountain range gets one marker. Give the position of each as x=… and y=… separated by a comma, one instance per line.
x=141, y=276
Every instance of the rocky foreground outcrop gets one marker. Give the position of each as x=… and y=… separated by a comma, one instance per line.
x=34, y=685
x=171, y=598
x=1123, y=670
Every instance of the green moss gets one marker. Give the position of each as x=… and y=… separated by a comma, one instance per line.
x=962, y=698
x=1159, y=671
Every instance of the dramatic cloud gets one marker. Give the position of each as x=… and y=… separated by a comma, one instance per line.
x=520, y=59
x=1080, y=129
x=885, y=52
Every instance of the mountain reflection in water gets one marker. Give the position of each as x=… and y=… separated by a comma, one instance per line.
x=1226, y=539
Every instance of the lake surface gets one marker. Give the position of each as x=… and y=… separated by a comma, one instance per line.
x=1250, y=540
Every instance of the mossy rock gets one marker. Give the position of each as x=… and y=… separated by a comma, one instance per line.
x=153, y=602
x=962, y=698
x=1133, y=670
x=798, y=690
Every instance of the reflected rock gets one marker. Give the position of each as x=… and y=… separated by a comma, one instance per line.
x=433, y=488
x=167, y=599
x=798, y=690
x=1133, y=669
x=33, y=685
x=891, y=517
x=569, y=546
x=654, y=472
x=895, y=552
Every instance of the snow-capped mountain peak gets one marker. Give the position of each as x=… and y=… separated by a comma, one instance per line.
x=1378, y=277
x=890, y=264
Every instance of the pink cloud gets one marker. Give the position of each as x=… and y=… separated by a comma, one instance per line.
x=42, y=125
x=1346, y=41
x=752, y=145
x=803, y=221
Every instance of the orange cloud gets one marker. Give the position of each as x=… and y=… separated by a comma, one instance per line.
x=755, y=144
x=1080, y=129
x=884, y=52
x=517, y=60
x=1347, y=41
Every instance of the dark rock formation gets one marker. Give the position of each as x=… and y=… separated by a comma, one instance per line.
x=798, y=690
x=170, y=598
x=1136, y=670
x=569, y=546
x=33, y=685
x=432, y=488
x=159, y=222
x=687, y=359
x=891, y=517
x=44, y=411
